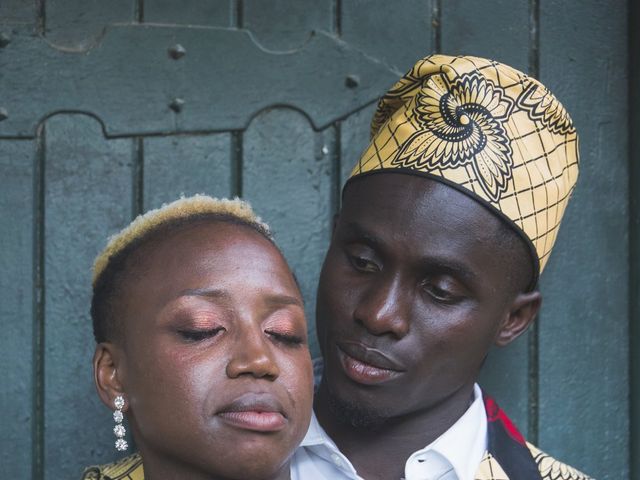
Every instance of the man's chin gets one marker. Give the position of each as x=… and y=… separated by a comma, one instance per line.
x=355, y=414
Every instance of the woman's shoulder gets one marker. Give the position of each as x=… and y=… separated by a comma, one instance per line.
x=128, y=468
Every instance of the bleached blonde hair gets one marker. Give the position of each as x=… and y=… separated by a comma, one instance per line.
x=181, y=209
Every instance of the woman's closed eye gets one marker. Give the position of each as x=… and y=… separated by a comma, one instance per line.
x=199, y=334
x=286, y=338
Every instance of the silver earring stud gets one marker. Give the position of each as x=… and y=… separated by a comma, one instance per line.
x=119, y=430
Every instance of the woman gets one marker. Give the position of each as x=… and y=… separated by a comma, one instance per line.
x=201, y=344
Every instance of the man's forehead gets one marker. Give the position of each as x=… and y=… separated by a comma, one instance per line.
x=402, y=201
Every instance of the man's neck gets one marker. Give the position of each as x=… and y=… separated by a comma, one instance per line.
x=381, y=453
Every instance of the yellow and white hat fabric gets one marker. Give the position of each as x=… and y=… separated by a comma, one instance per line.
x=486, y=129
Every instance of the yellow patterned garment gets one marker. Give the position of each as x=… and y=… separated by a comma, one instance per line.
x=130, y=468
x=486, y=129
x=549, y=468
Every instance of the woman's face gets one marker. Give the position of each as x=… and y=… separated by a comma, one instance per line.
x=215, y=367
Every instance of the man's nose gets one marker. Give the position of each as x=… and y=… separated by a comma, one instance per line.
x=384, y=307
x=253, y=356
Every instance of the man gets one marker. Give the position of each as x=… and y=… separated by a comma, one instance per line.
x=447, y=220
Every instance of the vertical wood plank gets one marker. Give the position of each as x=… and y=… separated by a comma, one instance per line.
x=288, y=178
x=584, y=357
x=213, y=13
x=285, y=25
x=634, y=238
x=18, y=12
x=87, y=198
x=468, y=28
x=16, y=299
x=396, y=33
x=78, y=24
x=186, y=165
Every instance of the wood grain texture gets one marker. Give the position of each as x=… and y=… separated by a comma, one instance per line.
x=282, y=25
x=396, y=33
x=18, y=12
x=211, y=13
x=16, y=312
x=584, y=357
x=87, y=198
x=468, y=28
x=186, y=165
x=78, y=25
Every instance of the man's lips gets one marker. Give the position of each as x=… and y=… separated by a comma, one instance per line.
x=258, y=412
x=367, y=365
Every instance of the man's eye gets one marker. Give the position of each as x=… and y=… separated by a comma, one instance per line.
x=440, y=294
x=363, y=264
x=199, y=335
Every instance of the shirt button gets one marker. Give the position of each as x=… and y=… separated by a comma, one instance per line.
x=336, y=459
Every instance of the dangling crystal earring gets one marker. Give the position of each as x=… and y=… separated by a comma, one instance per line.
x=119, y=430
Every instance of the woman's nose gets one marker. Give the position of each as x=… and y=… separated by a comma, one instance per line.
x=253, y=356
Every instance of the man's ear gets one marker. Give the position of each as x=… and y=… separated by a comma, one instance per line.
x=336, y=217
x=522, y=313
x=107, y=372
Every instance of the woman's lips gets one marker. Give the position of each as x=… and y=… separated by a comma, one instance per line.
x=257, y=412
x=366, y=365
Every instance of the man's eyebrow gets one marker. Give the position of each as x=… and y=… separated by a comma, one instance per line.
x=451, y=267
x=355, y=229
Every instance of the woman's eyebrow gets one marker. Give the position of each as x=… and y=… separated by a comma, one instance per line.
x=283, y=300
x=213, y=293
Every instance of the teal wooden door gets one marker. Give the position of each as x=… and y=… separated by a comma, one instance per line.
x=108, y=109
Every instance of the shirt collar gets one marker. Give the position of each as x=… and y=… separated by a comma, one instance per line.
x=465, y=442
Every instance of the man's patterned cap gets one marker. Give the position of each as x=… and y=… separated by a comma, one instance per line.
x=486, y=129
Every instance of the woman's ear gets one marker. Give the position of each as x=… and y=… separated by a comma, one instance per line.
x=107, y=372
x=522, y=313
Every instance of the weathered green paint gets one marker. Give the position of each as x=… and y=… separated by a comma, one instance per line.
x=87, y=198
x=16, y=251
x=634, y=238
x=291, y=164
x=396, y=33
x=186, y=165
x=465, y=24
x=78, y=25
x=583, y=334
x=17, y=12
x=210, y=13
x=129, y=81
x=282, y=25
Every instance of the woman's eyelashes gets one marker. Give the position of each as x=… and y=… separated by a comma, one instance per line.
x=199, y=334
x=286, y=337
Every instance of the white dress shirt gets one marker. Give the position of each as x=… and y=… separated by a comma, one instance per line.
x=463, y=445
